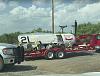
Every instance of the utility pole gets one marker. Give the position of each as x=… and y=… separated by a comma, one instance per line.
x=62, y=28
x=53, y=29
x=75, y=27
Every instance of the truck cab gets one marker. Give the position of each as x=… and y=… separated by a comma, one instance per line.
x=10, y=54
x=92, y=40
x=95, y=41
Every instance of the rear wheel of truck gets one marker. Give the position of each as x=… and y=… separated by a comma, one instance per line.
x=60, y=55
x=49, y=55
x=1, y=64
x=98, y=51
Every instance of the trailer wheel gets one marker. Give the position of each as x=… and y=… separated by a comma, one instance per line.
x=50, y=55
x=60, y=55
x=1, y=64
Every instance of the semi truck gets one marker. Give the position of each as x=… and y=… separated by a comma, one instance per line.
x=53, y=45
x=10, y=54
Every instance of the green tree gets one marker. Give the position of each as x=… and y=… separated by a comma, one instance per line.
x=88, y=28
x=10, y=38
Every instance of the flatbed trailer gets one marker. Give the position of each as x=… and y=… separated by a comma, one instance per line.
x=58, y=52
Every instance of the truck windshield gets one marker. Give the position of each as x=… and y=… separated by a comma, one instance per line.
x=98, y=37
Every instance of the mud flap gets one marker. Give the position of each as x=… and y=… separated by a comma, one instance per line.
x=19, y=54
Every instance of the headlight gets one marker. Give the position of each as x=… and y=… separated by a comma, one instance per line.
x=8, y=51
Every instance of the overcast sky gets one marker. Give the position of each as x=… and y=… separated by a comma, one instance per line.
x=26, y=15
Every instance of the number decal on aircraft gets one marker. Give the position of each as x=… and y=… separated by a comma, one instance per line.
x=25, y=39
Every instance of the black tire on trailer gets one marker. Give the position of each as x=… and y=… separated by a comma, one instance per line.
x=49, y=55
x=60, y=55
x=1, y=64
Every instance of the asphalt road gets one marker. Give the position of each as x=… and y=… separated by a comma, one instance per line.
x=73, y=64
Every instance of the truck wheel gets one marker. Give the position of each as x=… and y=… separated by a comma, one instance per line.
x=98, y=51
x=50, y=55
x=1, y=64
x=60, y=55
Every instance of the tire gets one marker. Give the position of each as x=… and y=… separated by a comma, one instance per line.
x=98, y=51
x=1, y=64
x=60, y=55
x=49, y=55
